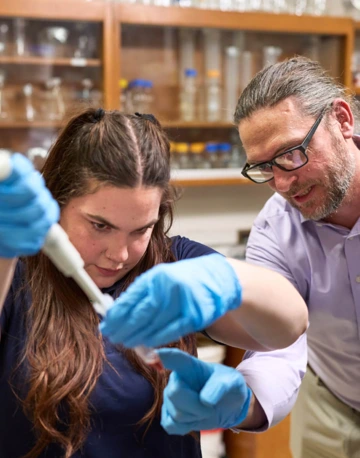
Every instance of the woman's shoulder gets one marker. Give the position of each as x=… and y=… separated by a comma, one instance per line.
x=184, y=248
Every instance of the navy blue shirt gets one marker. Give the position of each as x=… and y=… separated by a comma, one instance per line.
x=118, y=403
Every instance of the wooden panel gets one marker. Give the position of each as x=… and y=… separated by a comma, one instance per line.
x=82, y=10
x=273, y=443
x=192, y=17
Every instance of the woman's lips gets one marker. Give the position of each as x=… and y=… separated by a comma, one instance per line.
x=107, y=272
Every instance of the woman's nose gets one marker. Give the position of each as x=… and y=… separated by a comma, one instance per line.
x=117, y=254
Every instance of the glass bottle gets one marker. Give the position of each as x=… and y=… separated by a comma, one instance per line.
x=56, y=105
x=3, y=113
x=148, y=97
x=4, y=38
x=136, y=89
x=188, y=96
x=20, y=37
x=213, y=96
x=182, y=155
x=197, y=156
x=87, y=85
x=224, y=153
x=173, y=159
x=29, y=105
x=123, y=99
x=211, y=150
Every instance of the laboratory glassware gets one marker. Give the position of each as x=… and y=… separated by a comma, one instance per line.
x=28, y=91
x=3, y=113
x=188, y=95
x=4, y=38
x=231, y=81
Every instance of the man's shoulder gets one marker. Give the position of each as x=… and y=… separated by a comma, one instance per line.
x=277, y=210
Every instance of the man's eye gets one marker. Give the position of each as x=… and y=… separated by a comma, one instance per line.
x=264, y=167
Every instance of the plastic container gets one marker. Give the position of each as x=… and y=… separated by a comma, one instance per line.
x=189, y=96
x=187, y=51
x=231, y=81
x=246, y=68
x=213, y=96
x=212, y=49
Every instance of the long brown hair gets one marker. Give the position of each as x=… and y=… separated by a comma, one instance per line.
x=64, y=350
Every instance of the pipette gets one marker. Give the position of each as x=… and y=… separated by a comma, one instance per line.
x=67, y=259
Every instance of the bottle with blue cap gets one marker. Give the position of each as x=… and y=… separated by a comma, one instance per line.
x=141, y=95
x=188, y=95
x=224, y=153
x=211, y=152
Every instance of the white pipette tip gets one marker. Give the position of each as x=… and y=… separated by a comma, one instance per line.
x=5, y=165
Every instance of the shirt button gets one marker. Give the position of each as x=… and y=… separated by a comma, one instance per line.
x=357, y=279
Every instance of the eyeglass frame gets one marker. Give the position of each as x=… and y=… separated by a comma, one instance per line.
x=302, y=147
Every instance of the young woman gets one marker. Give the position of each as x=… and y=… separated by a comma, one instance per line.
x=65, y=390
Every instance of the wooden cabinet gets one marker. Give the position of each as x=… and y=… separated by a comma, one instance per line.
x=272, y=443
x=136, y=41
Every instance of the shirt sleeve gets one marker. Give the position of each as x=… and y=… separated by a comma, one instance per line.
x=275, y=378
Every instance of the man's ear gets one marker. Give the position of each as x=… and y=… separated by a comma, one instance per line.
x=343, y=115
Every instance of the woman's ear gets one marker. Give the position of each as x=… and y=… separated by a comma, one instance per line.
x=344, y=117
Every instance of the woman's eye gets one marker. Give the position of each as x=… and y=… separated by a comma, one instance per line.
x=143, y=231
x=100, y=226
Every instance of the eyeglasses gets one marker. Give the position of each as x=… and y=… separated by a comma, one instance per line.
x=291, y=159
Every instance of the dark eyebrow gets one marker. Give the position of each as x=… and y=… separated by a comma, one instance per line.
x=102, y=220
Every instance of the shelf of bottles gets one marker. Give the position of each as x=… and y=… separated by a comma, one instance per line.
x=190, y=79
x=46, y=68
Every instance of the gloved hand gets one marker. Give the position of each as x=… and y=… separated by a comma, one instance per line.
x=201, y=396
x=27, y=210
x=173, y=300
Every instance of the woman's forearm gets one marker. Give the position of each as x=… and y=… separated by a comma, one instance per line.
x=7, y=268
x=272, y=314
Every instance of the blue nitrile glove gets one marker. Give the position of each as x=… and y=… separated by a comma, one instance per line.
x=27, y=210
x=201, y=396
x=172, y=300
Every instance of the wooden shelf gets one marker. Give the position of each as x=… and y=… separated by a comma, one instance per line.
x=263, y=22
x=7, y=124
x=57, y=61
x=196, y=125
x=81, y=10
x=208, y=177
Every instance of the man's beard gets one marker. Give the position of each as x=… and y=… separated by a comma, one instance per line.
x=336, y=181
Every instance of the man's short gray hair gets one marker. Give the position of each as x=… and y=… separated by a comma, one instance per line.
x=297, y=77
